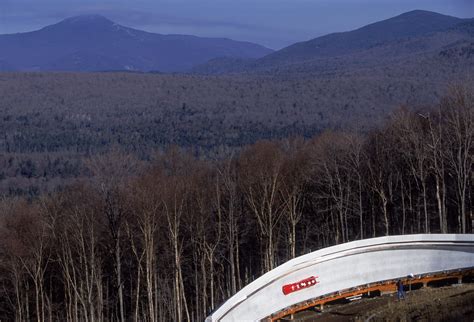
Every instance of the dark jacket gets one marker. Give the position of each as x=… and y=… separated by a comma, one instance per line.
x=399, y=285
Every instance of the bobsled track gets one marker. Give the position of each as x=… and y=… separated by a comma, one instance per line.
x=350, y=269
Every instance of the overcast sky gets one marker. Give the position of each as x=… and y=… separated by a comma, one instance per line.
x=273, y=23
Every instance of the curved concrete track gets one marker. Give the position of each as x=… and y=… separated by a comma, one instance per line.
x=339, y=269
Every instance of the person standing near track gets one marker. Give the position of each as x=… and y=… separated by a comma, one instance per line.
x=400, y=291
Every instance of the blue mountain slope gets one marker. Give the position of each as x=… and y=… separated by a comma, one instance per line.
x=93, y=42
x=412, y=33
x=410, y=24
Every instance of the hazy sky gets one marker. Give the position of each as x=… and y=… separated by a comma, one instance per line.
x=273, y=23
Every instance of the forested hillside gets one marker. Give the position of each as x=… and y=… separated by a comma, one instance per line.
x=50, y=122
x=171, y=239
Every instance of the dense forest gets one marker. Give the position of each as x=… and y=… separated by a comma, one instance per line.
x=51, y=122
x=171, y=238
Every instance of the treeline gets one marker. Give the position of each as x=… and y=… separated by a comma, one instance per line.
x=174, y=240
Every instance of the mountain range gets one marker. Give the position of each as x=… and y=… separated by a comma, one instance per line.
x=412, y=35
x=94, y=43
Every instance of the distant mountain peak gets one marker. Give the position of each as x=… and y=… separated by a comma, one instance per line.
x=408, y=25
x=419, y=12
x=87, y=18
x=423, y=14
x=95, y=43
x=90, y=21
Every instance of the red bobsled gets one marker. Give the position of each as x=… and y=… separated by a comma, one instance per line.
x=307, y=282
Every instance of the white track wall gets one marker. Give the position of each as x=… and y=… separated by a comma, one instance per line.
x=345, y=266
